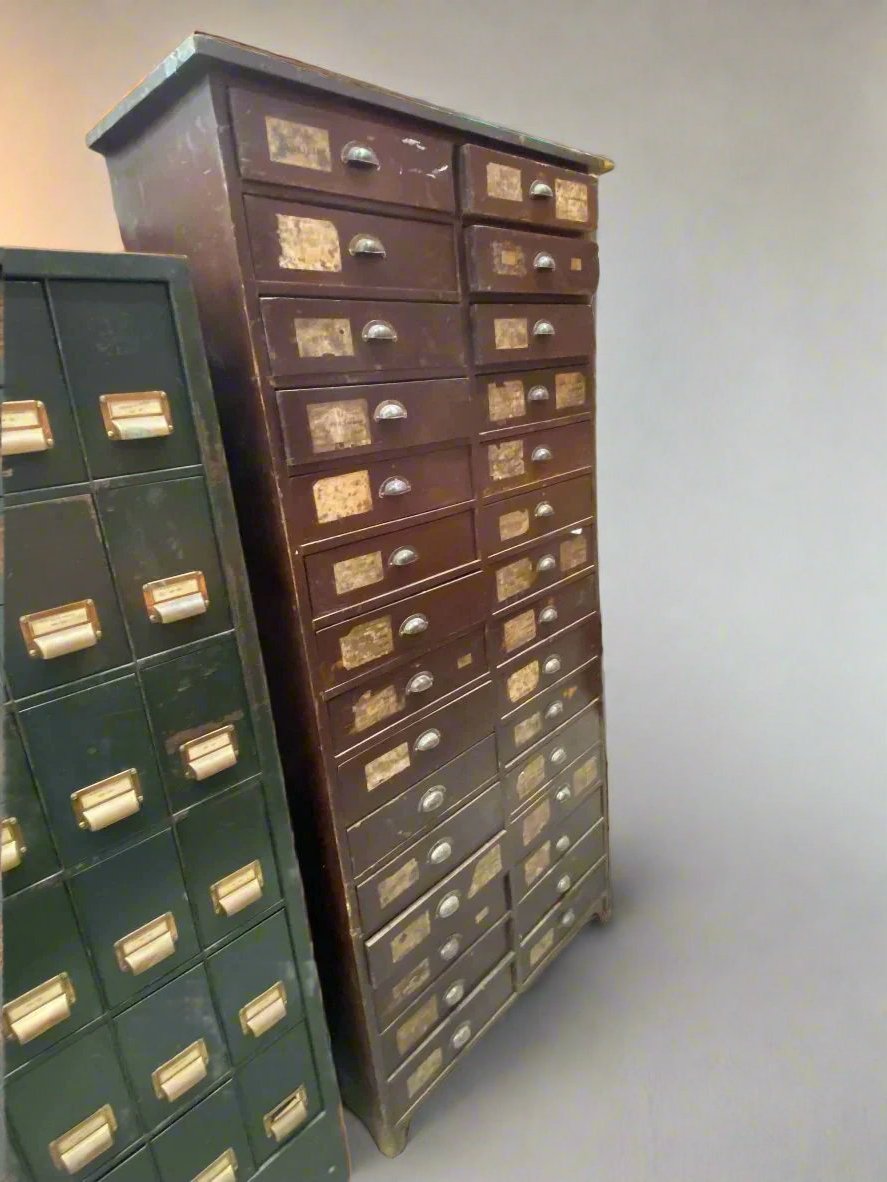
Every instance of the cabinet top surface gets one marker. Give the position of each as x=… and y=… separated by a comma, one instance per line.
x=200, y=53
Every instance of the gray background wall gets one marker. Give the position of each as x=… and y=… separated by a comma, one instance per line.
x=730, y=1022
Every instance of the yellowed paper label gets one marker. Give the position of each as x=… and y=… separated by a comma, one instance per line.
x=514, y=524
x=63, y=618
x=511, y=332
x=504, y=182
x=383, y=767
x=412, y=983
x=425, y=1072
x=481, y=915
x=575, y=264
x=506, y=400
x=200, y=748
x=571, y=200
x=307, y=244
x=537, y=863
x=519, y=630
x=514, y=578
x=487, y=868
x=411, y=936
x=374, y=706
x=366, y=642
x=335, y=426
x=541, y=948
x=298, y=144
x=586, y=775
x=323, y=337
x=574, y=552
x=569, y=390
x=528, y=729
x=464, y=661
x=535, y=821
x=570, y=692
x=508, y=259
x=350, y=574
x=506, y=460
x=411, y=1032
x=531, y=777
x=348, y=495
x=176, y=589
x=394, y=885
x=522, y=682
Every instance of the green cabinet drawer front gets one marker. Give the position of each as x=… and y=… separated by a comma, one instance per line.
x=211, y=1133
x=229, y=863
x=138, y=1168
x=201, y=721
x=135, y=913
x=34, y=374
x=119, y=338
x=28, y=853
x=279, y=1093
x=14, y=1167
x=256, y=986
x=48, y=986
x=172, y=1046
x=164, y=555
x=54, y=563
x=95, y=765
x=73, y=1113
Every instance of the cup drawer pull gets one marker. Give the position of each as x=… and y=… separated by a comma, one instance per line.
x=454, y=994
x=568, y=918
x=359, y=155
x=563, y=794
x=562, y=844
x=403, y=556
x=543, y=328
x=395, y=486
x=389, y=410
x=555, y=710
x=551, y=666
x=461, y=1036
x=181, y=1073
x=441, y=852
x=563, y=884
x=144, y=414
x=449, y=905
x=83, y=1144
x=288, y=1116
x=264, y=1011
x=107, y=801
x=367, y=244
x=421, y=683
x=544, y=509
x=210, y=753
x=379, y=330
x=544, y=261
x=541, y=190
x=558, y=755
x=538, y=394
x=433, y=799
x=546, y=562
x=12, y=844
x=428, y=740
x=223, y=1169
x=541, y=455
x=450, y=950
x=59, y=631
x=178, y=597
x=414, y=625
x=24, y=428
x=33, y=1013
x=238, y=890
x=548, y=615
x=147, y=945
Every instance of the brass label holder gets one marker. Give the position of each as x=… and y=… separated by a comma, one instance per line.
x=24, y=428
x=12, y=844
x=147, y=945
x=287, y=1116
x=33, y=1013
x=238, y=890
x=85, y=1142
x=181, y=1073
x=107, y=801
x=141, y=414
x=58, y=631
x=264, y=1011
x=223, y=1169
x=210, y=753
x=178, y=597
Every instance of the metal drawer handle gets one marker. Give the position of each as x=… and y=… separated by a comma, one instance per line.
x=427, y=741
x=563, y=884
x=38, y=1010
x=544, y=261
x=555, y=710
x=176, y=598
x=107, y=801
x=360, y=155
x=568, y=918
x=449, y=905
x=563, y=794
x=12, y=846
x=421, y=683
x=540, y=455
x=85, y=1142
x=541, y=189
x=24, y=428
x=543, y=328
x=450, y=950
x=432, y=799
x=389, y=410
x=441, y=852
x=562, y=844
x=367, y=244
x=264, y=1011
x=61, y=630
x=288, y=1116
x=558, y=755
x=538, y=394
x=414, y=625
x=552, y=665
x=548, y=615
x=544, y=509
x=210, y=754
x=461, y=1037
x=545, y=563
x=403, y=556
x=395, y=486
x=223, y=1169
x=238, y=890
x=147, y=945
x=379, y=330
x=143, y=414
x=181, y=1073
x=454, y=994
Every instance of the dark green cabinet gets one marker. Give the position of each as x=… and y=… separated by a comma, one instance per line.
x=279, y=1093
x=27, y=849
x=207, y=1142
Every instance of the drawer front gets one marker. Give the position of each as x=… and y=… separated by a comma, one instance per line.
x=231, y=878
x=411, y=625
x=573, y=911
x=440, y=999
x=135, y=916
x=362, y=571
x=313, y=337
x=548, y=710
x=542, y=565
x=138, y=1168
x=279, y=1093
x=530, y=516
x=337, y=422
x=211, y=1132
x=200, y=717
x=50, y=1105
x=530, y=674
x=498, y=185
x=554, y=611
x=585, y=854
x=502, y=260
x=48, y=986
x=357, y=714
x=527, y=459
x=422, y=806
x=554, y=837
x=62, y=618
x=256, y=987
x=28, y=851
x=533, y=396
x=420, y=867
x=551, y=759
x=422, y=1069
x=531, y=333
x=171, y=582
x=342, y=252
x=389, y=767
x=100, y=783
x=291, y=143
x=443, y=912
x=121, y=353
x=347, y=499
x=172, y=1047
x=550, y=810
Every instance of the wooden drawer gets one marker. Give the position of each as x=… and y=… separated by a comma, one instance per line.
x=520, y=460
x=550, y=809
x=391, y=697
x=585, y=900
x=584, y=856
x=360, y=572
x=531, y=673
x=554, y=838
x=422, y=806
x=341, y=252
x=533, y=396
x=522, y=519
x=309, y=338
x=367, y=781
x=548, y=615
x=323, y=424
x=542, y=565
x=360, y=647
x=548, y=710
x=514, y=189
x=551, y=759
x=347, y=499
x=527, y=333
x=424, y=864
x=501, y=260
x=339, y=151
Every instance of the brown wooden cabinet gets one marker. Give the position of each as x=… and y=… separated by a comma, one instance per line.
x=399, y=309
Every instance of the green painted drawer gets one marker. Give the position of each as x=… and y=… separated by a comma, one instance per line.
x=279, y=1093
x=201, y=722
x=136, y=917
x=28, y=852
x=164, y=555
x=138, y=1168
x=206, y=1142
x=229, y=864
x=120, y=338
x=172, y=1047
x=43, y=951
x=96, y=768
x=50, y=1105
x=256, y=986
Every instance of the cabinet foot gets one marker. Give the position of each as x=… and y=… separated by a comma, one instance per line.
x=604, y=912
x=392, y=1140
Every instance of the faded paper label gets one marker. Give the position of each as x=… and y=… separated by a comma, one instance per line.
x=374, y=706
x=519, y=630
x=522, y=681
x=531, y=777
x=425, y=1072
x=334, y=426
x=464, y=661
x=569, y=390
x=176, y=589
x=514, y=578
x=488, y=867
x=366, y=642
x=511, y=332
x=504, y=182
x=535, y=821
x=528, y=729
x=350, y=574
x=537, y=863
x=383, y=767
x=506, y=400
x=482, y=915
x=307, y=244
x=412, y=983
x=342, y=496
x=506, y=460
x=586, y=775
x=298, y=144
x=394, y=885
x=514, y=524
x=508, y=259
x=541, y=947
x=409, y=1033
x=411, y=936
x=574, y=552
x=575, y=264
x=323, y=337
x=570, y=200
x=68, y=617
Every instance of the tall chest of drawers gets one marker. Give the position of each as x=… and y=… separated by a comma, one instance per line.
x=160, y=1013
x=398, y=304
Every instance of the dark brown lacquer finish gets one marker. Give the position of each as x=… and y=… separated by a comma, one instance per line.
x=399, y=304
